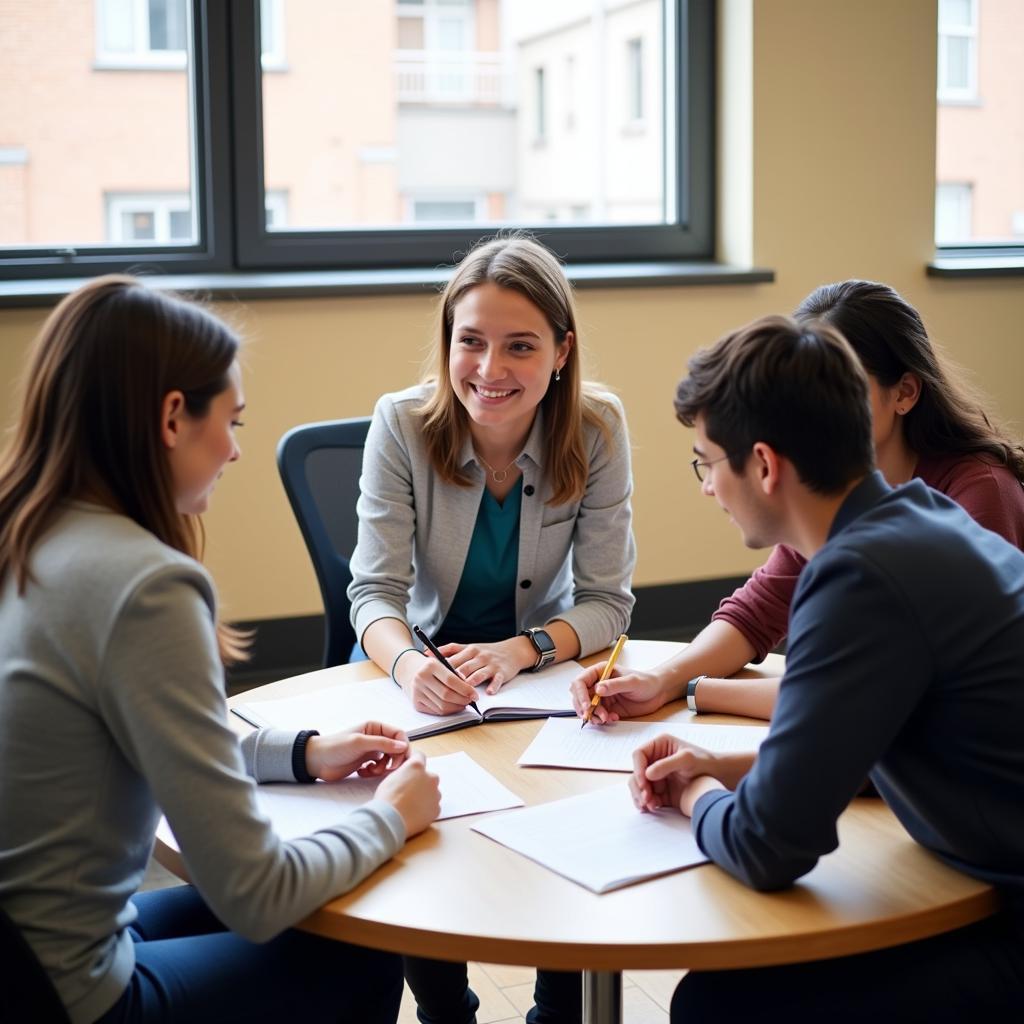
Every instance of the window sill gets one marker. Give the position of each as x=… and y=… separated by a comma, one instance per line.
x=977, y=266
x=414, y=281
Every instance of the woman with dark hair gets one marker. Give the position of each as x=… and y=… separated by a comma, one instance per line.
x=926, y=424
x=494, y=511
x=112, y=700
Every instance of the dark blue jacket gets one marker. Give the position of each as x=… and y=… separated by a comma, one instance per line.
x=905, y=662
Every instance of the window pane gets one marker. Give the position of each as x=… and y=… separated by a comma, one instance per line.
x=526, y=106
x=139, y=226
x=955, y=14
x=980, y=144
x=957, y=69
x=67, y=160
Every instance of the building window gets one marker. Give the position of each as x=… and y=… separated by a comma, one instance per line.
x=275, y=207
x=142, y=33
x=395, y=134
x=149, y=217
x=445, y=211
x=540, y=107
x=634, y=81
x=958, y=50
x=952, y=213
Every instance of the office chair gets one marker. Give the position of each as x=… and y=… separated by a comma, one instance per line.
x=320, y=465
x=27, y=994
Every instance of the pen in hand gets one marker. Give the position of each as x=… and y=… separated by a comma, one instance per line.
x=433, y=648
x=608, y=666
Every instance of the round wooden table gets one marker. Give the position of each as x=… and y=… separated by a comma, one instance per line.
x=453, y=894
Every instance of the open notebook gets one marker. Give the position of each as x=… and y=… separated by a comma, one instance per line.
x=529, y=695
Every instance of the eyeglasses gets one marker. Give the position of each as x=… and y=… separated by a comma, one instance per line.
x=701, y=466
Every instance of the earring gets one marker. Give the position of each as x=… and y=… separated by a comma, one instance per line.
x=558, y=373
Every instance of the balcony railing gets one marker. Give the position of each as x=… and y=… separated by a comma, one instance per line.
x=462, y=77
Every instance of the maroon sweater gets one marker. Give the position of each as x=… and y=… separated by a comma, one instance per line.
x=990, y=494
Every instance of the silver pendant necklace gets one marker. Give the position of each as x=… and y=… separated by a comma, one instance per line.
x=499, y=476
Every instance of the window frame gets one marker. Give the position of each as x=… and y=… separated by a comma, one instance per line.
x=229, y=194
x=213, y=251
x=688, y=176
x=966, y=258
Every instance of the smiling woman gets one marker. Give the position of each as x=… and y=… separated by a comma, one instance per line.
x=494, y=512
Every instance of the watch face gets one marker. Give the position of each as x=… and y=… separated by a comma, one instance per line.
x=543, y=642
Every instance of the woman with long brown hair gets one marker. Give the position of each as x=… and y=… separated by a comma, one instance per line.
x=112, y=699
x=926, y=424
x=495, y=513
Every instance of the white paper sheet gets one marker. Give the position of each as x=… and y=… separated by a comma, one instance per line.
x=562, y=743
x=546, y=691
x=297, y=810
x=599, y=840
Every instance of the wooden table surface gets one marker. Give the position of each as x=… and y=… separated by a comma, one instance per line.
x=452, y=893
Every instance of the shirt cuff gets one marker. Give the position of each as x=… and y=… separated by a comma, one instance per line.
x=268, y=754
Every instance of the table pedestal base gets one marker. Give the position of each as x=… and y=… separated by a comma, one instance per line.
x=602, y=997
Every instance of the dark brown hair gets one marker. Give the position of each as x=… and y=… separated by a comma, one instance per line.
x=888, y=335
x=523, y=265
x=90, y=416
x=797, y=388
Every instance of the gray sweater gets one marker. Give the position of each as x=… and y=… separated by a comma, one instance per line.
x=111, y=710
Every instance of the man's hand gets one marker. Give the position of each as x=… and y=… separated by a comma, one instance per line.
x=371, y=749
x=663, y=769
x=629, y=695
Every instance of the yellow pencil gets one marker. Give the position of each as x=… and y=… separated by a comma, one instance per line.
x=609, y=665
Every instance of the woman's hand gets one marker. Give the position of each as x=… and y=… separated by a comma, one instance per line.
x=627, y=695
x=494, y=664
x=414, y=793
x=430, y=686
x=371, y=749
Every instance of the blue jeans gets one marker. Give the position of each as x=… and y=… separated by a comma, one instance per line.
x=188, y=967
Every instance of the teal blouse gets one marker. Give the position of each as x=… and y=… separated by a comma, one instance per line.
x=484, y=607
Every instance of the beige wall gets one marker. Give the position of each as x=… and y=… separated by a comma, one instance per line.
x=844, y=156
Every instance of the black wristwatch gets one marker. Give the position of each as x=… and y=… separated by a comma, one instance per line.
x=543, y=645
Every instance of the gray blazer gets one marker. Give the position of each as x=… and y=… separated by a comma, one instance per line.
x=575, y=561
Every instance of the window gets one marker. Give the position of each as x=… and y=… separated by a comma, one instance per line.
x=958, y=50
x=142, y=33
x=540, y=107
x=163, y=219
x=444, y=211
x=952, y=213
x=979, y=192
x=386, y=133
x=634, y=81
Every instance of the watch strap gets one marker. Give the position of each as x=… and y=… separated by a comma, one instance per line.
x=691, y=693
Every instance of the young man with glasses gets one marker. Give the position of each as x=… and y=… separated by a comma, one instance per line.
x=904, y=665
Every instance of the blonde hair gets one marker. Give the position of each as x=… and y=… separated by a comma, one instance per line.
x=523, y=265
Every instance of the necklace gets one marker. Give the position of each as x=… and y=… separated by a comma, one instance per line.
x=499, y=476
